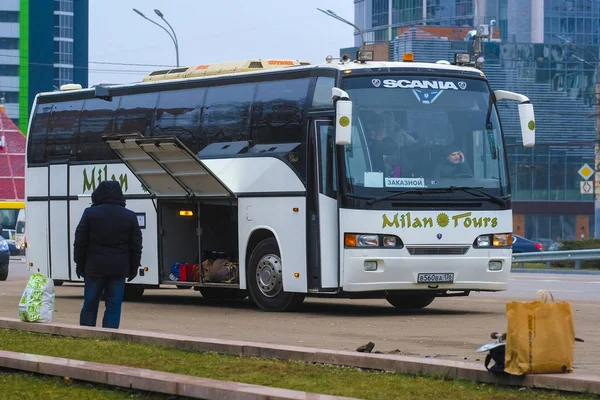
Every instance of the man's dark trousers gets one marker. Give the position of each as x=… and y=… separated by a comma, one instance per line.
x=113, y=288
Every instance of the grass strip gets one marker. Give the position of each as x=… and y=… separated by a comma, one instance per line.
x=28, y=386
x=295, y=375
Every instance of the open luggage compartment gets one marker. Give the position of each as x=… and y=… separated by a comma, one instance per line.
x=198, y=243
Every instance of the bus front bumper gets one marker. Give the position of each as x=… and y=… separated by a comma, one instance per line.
x=398, y=270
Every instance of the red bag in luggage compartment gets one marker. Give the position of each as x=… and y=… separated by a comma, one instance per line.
x=189, y=272
x=183, y=272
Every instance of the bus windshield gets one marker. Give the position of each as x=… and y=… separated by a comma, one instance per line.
x=421, y=132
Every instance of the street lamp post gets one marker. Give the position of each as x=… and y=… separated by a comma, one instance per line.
x=172, y=36
x=597, y=138
x=334, y=15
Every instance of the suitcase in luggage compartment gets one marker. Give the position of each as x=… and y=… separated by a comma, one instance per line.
x=182, y=273
x=189, y=272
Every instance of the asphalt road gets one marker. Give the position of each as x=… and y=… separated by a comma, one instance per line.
x=450, y=328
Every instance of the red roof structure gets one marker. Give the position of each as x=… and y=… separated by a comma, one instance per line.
x=12, y=160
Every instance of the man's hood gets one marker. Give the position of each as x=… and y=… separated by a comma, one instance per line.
x=108, y=192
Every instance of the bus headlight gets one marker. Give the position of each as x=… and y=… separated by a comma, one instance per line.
x=483, y=241
x=389, y=241
x=371, y=240
x=495, y=240
x=367, y=240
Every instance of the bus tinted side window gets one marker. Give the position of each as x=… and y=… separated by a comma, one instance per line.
x=226, y=116
x=135, y=113
x=97, y=117
x=278, y=110
x=277, y=118
x=178, y=113
x=322, y=97
x=38, y=133
x=62, y=129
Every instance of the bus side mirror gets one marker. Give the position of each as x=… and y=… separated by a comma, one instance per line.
x=527, y=124
x=343, y=116
x=526, y=115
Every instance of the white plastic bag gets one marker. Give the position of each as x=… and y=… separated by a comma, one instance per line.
x=37, y=302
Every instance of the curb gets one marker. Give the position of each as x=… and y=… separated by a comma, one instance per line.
x=553, y=271
x=150, y=381
x=572, y=382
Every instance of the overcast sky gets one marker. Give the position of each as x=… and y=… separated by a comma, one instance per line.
x=210, y=31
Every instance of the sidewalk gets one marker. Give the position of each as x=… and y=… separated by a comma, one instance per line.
x=572, y=382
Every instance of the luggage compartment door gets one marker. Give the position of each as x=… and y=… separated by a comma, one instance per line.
x=167, y=168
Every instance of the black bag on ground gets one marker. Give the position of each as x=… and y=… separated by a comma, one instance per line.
x=496, y=354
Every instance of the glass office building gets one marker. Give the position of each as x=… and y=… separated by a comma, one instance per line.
x=517, y=20
x=43, y=45
x=378, y=18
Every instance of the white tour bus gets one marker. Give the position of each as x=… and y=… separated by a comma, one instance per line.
x=277, y=179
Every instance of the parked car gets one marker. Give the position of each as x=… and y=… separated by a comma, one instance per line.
x=522, y=245
x=4, y=259
x=9, y=236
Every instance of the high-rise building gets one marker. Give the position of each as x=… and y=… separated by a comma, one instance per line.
x=43, y=45
x=528, y=21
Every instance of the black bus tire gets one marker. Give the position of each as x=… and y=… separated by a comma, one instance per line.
x=409, y=302
x=264, y=277
x=133, y=293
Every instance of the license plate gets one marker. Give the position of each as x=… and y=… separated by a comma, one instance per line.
x=435, y=278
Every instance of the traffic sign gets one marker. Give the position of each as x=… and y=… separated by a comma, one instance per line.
x=586, y=187
x=586, y=172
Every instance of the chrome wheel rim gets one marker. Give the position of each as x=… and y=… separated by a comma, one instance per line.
x=268, y=275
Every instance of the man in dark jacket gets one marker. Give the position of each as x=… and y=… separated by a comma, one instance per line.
x=107, y=250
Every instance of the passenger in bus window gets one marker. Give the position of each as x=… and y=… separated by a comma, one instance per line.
x=452, y=164
x=107, y=250
x=379, y=145
x=399, y=136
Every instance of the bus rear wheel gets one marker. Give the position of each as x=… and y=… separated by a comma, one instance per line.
x=265, y=279
x=133, y=293
x=409, y=302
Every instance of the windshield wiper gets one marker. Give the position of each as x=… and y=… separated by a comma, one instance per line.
x=498, y=200
x=488, y=116
x=354, y=196
x=391, y=195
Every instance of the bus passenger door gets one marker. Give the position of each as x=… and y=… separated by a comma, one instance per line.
x=323, y=222
x=76, y=209
x=58, y=177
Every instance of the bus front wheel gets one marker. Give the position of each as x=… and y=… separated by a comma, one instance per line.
x=409, y=302
x=265, y=279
